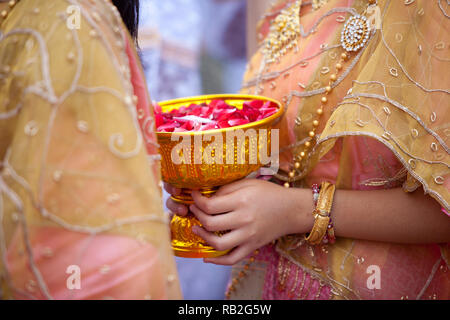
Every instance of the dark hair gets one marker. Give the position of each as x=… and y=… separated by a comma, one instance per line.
x=129, y=10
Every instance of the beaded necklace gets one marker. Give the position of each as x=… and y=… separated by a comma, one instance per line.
x=283, y=37
x=4, y=13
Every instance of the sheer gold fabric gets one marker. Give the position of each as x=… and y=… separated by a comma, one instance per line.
x=400, y=97
x=75, y=174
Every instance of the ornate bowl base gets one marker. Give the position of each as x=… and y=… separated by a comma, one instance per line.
x=185, y=243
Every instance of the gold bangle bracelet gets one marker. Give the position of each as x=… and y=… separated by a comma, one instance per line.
x=322, y=214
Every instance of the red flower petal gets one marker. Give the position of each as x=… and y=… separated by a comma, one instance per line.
x=270, y=104
x=237, y=122
x=219, y=112
x=188, y=125
x=254, y=103
x=250, y=113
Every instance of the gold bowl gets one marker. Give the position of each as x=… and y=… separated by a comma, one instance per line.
x=201, y=165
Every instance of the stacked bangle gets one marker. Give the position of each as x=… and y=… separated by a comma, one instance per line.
x=323, y=229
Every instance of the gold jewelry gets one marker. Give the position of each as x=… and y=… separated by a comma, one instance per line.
x=4, y=13
x=283, y=34
x=322, y=214
x=354, y=36
x=317, y=4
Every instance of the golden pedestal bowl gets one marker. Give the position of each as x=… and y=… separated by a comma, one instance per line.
x=200, y=165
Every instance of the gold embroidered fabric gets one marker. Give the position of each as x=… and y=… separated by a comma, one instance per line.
x=77, y=187
x=391, y=90
x=401, y=98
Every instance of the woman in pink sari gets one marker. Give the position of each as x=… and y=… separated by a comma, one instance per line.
x=359, y=209
x=80, y=203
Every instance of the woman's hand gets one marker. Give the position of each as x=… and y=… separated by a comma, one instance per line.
x=256, y=212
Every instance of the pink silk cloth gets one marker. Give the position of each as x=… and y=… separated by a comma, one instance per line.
x=298, y=283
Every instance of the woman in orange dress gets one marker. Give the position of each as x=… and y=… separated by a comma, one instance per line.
x=363, y=147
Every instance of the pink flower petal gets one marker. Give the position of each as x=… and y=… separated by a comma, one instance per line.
x=157, y=108
x=167, y=127
x=209, y=126
x=250, y=113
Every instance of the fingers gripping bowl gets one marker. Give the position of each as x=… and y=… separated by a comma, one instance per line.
x=206, y=160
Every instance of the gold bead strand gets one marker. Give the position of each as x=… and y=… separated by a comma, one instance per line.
x=241, y=275
x=354, y=35
x=4, y=13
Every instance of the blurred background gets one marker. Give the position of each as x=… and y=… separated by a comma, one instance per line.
x=193, y=47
